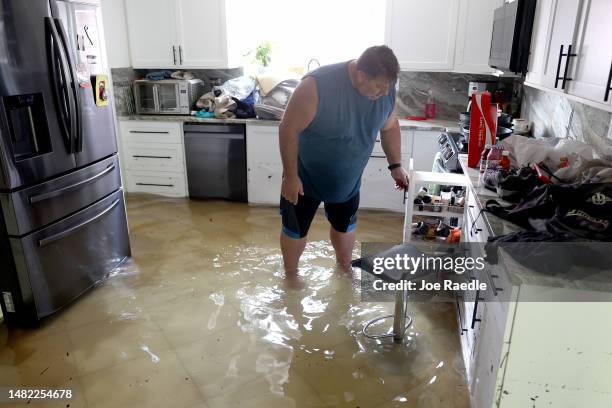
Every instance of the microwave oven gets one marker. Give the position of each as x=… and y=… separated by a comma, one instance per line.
x=511, y=37
x=167, y=96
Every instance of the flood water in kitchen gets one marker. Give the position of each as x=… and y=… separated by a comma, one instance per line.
x=201, y=316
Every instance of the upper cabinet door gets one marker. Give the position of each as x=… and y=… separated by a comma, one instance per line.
x=152, y=33
x=422, y=33
x=474, y=35
x=202, y=34
x=565, y=14
x=593, y=63
x=540, y=36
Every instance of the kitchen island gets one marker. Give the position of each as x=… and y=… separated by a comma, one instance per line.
x=534, y=339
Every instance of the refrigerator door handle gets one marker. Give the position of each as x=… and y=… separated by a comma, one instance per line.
x=62, y=99
x=68, y=231
x=44, y=196
x=77, y=134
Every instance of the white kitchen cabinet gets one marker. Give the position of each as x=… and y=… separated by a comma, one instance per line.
x=264, y=170
x=593, y=62
x=152, y=33
x=424, y=149
x=585, y=25
x=377, y=186
x=562, y=32
x=422, y=33
x=406, y=142
x=474, y=30
x=152, y=157
x=202, y=34
x=264, y=165
x=445, y=35
x=186, y=34
x=539, y=41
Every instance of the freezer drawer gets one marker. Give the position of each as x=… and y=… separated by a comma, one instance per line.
x=55, y=265
x=42, y=204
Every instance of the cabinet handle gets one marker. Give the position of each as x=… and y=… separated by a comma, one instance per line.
x=474, y=318
x=557, y=77
x=567, y=60
x=564, y=78
x=154, y=184
x=608, y=87
x=139, y=156
x=69, y=231
x=174, y=55
x=180, y=55
x=495, y=288
x=149, y=131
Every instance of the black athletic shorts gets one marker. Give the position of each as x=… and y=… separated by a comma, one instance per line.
x=297, y=218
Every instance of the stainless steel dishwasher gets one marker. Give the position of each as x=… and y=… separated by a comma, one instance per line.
x=215, y=156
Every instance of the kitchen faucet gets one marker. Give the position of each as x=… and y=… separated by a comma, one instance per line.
x=310, y=62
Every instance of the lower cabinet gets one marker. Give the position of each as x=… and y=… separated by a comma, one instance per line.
x=152, y=157
x=264, y=165
x=378, y=188
x=156, y=182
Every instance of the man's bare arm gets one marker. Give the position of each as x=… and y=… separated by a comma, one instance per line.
x=391, y=139
x=300, y=111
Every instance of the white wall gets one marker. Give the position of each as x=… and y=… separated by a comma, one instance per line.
x=115, y=33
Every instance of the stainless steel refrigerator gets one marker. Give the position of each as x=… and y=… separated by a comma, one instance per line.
x=63, y=226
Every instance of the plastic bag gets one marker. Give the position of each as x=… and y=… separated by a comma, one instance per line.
x=553, y=152
x=239, y=87
x=524, y=151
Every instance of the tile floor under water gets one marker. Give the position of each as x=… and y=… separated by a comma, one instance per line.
x=201, y=317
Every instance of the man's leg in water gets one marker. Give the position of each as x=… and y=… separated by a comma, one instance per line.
x=292, y=250
x=296, y=221
x=343, y=220
x=343, y=243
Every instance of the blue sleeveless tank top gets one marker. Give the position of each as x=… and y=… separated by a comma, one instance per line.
x=335, y=148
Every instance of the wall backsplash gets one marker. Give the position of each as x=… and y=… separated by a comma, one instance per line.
x=449, y=91
x=554, y=115
x=123, y=78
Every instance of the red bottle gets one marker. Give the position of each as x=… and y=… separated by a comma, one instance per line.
x=430, y=107
x=505, y=160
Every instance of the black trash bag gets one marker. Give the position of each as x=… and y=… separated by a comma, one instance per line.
x=581, y=210
x=244, y=110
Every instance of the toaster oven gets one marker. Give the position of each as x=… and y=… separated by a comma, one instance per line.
x=167, y=96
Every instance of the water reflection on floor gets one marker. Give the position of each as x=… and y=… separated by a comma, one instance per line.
x=200, y=317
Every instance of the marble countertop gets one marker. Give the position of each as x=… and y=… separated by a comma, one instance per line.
x=188, y=118
x=572, y=277
x=434, y=124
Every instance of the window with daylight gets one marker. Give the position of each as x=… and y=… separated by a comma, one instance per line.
x=327, y=30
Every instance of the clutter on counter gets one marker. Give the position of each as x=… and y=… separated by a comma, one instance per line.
x=558, y=190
